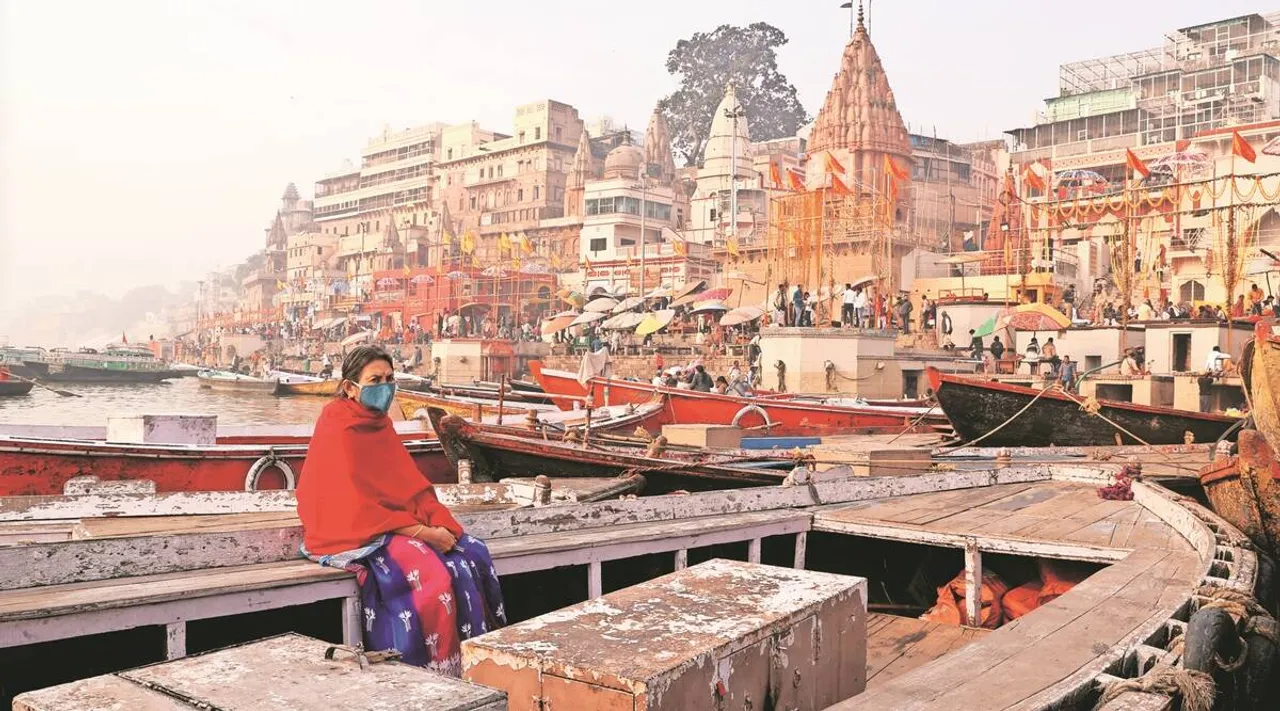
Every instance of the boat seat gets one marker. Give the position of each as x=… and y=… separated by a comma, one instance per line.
x=52, y=612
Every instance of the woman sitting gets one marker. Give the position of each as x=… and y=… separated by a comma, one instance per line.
x=425, y=585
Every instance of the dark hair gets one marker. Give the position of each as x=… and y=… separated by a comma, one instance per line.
x=359, y=358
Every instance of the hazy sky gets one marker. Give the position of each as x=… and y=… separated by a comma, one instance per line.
x=148, y=141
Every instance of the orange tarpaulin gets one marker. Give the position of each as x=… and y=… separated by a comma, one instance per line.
x=950, y=607
x=1056, y=578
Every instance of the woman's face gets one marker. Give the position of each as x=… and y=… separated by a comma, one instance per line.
x=374, y=373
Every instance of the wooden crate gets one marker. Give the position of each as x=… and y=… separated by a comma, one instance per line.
x=285, y=672
x=722, y=635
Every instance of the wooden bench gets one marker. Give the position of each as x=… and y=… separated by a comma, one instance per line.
x=29, y=615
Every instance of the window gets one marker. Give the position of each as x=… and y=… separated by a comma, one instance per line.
x=520, y=195
x=490, y=171
x=499, y=171
x=473, y=202
x=537, y=133
x=1191, y=291
x=597, y=244
x=522, y=136
x=536, y=191
x=559, y=133
x=449, y=154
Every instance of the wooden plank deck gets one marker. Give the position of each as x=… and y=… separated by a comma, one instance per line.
x=896, y=645
x=1067, y=514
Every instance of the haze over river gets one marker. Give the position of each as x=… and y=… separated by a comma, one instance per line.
x=182, y=395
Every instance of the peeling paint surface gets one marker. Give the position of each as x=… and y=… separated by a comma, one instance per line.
x=672, y=639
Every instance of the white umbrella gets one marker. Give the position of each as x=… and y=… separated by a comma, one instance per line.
x=355, y=338
x=587, y=317
x=706, y=306
x=741, y=315
x=624, y=321
x=603, y=304
x=628, y=304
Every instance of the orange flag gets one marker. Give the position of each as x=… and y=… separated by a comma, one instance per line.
x=1135, y=163
x=1033, y=179
x=796, y=183
x=892, y=168
x=679, y=248
x=839, y=187
x=833, y=165
x=1241, y=147
x=775, y=175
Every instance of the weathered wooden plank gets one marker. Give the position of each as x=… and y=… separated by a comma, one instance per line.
x=972, y=582
x=99, y=693
x=988, y=544
x=35, y=508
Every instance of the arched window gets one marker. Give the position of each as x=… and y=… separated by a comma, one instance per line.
x=1191, y=291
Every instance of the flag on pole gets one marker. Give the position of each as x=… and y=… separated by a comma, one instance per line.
x=833, y=165
x=468, y=243
x=732, y=247
x=504, y=243
x=124, y=338
x=679, y=247
x=586, y=263
x=526, y=245
x=892, y=168
x=1241, y=147
x=1135, y=163
x=838, y=186
x=796, y=183
x=775, y=175
x=1033, y=179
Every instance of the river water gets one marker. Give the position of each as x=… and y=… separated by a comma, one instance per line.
x=179, y=396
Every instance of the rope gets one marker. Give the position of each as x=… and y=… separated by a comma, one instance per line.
x=1195, y=688
x=1252, y=616
x=1015, y=416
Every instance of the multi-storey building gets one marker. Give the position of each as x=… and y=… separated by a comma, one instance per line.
x=953, y=187
x=1177, y=108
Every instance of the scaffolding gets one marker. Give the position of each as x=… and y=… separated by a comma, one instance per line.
x=808, y=231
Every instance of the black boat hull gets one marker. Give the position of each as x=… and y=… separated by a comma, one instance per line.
x=79, y=374
x=977, y=408
x=10, y=388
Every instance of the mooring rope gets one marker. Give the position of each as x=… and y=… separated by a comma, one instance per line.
x=1196, y=689
x=1015, y=416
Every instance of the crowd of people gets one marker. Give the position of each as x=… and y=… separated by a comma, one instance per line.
x=695, y=377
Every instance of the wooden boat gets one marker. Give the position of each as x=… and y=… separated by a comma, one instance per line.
x=10, y=385
x=977, y=407
x=1151, y=562
x=496, y=452
x=38, y=466
x=288, y=384
x=1245, y=489
x=223, y=380
x=116, y=363
x=411, y=402
x=1262, y=378
x=773, y=416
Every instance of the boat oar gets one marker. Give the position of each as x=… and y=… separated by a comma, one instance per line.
x=37, y=383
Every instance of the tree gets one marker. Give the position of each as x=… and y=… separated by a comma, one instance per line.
x=745, y=57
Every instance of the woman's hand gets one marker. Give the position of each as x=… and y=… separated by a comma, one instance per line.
x=438, y=538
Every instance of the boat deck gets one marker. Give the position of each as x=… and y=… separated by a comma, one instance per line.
x=897, y=645
x=1033, y=518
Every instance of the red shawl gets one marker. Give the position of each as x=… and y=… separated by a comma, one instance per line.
x=359, y=481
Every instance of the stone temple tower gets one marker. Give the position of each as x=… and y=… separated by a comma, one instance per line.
x=859, y=124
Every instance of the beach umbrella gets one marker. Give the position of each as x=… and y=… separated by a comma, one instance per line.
x=558, y=323
x=719, y=293
x=628, y=304
x=386, y=282
x=741, y=315
x=655, y=321
x=708, y=306
x=573, y=298
x=603, y=304
x=587, y=317
x=456, y=275
x=624, y=321
x=357, y=338
x=535, y=268
x=423, y=279
x=1034, y=317
x=494, y=271
x=865, y=280
x=690, y=289
x=1189, y=163
x=659, y=293
x=987, y=328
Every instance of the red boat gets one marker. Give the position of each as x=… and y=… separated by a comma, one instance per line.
x=781, y=417
x=252, y=459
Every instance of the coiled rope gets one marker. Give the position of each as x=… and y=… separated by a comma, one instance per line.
x=1196, y=689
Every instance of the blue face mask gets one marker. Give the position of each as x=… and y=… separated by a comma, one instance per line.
x=378, y=397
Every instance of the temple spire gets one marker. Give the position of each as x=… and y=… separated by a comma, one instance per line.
x=657, y=148
x=583, y=169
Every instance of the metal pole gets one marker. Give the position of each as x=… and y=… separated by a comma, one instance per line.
x=644, y=195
